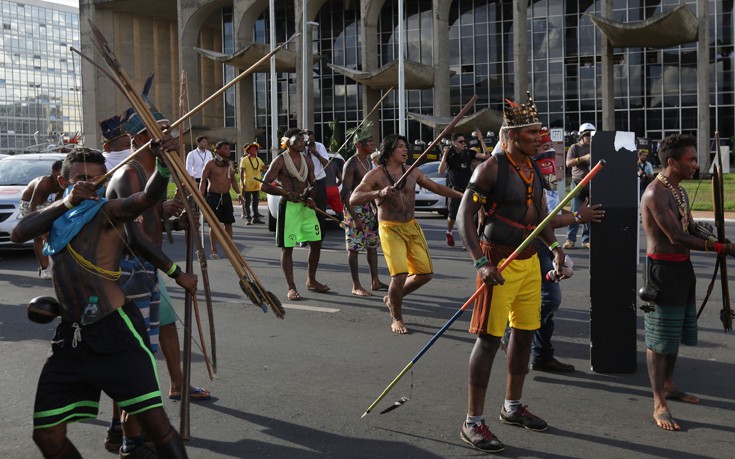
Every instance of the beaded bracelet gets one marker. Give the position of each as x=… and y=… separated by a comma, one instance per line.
x=163, y=170
x=174, y=271
x=577, y=218
x=480, y=261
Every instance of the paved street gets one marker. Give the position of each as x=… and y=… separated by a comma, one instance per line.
x=296, y=388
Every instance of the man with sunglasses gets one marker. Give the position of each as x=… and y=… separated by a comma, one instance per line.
x=457, y=162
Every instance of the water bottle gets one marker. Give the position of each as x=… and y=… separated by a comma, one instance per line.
x=91, y=312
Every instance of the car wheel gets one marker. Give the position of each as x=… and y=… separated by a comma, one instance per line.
x=271, y=222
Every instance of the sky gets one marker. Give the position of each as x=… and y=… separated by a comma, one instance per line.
x=65, y=2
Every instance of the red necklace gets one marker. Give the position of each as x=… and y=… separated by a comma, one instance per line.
x=528, y=181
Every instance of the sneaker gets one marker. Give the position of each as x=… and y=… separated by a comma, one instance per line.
x=45, y=273
x=480, y=437
x=554, y=366
x=450, y=239
x=568, y=245
x=586, y=245
x=141, y=452
x=523, y=418
x=113, y=440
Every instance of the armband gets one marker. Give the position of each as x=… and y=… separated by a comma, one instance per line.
x=480, y=262
x=721, y=249
x=67, y=203
x=554, y=246
x=163, y=170
x=174, y=271
x=478, y=195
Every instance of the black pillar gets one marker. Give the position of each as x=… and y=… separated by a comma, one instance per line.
x=613, y=254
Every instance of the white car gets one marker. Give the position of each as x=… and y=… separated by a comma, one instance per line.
x=16, y=172
x=428, y=201
x=273, y=200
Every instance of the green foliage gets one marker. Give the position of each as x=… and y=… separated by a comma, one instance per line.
x=700, y=193
x=337, y=137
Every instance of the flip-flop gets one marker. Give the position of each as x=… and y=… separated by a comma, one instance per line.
x=320, y=288
x=293, y=296
x=682, y=396
x=196, y=394
x=214, y=256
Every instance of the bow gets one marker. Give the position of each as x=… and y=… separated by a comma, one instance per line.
x=718, y=195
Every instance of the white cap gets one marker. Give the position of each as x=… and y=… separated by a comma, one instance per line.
x=586, y=127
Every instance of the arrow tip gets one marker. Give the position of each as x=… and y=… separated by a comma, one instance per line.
x=364, y=414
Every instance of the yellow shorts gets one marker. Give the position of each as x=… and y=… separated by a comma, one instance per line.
x=404, y=247
x=517, y=302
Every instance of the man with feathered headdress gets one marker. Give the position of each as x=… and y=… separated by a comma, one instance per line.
x=509, y=189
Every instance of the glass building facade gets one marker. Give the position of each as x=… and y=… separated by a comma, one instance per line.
x=655, y=90
x=40, y=79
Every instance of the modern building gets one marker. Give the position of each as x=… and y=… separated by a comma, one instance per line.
x=40, y=78
x=495, y=49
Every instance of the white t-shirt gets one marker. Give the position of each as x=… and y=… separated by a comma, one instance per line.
x=318, y=167
x=195, y=161
x=113, y=158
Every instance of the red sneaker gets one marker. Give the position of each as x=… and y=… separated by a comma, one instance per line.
x=450, y=240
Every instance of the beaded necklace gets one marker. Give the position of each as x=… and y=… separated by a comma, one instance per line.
x=681, y=202
x=528, y=181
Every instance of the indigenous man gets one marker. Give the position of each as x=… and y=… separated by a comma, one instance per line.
x=361, y=221
x=513, y=209
x=217, y=178
x=101, y=343
x=401, y=237
x=143, y=257
x=670, y=235
x=38, y=194
x=251, y=170
x=296, y=220
x=116, y=143
x=198, y=157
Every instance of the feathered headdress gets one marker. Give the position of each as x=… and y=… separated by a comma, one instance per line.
x=515, y=115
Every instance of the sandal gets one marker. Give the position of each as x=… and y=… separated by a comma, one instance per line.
x=293, y=295
x=196, y=394
x=318, y=288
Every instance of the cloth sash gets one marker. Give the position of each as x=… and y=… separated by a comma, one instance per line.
x=68, y=225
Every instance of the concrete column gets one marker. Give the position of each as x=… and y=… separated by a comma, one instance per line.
x=608, y=75
x=189, y=60
x=97, y=91
x=440, y=27
x=520, y=50
x=703, y=96
x=165, y=89
x=243, y=18
x=369, y=11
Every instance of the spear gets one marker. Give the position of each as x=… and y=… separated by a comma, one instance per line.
x=249, y=283
x=441, y=135
x=482, y=288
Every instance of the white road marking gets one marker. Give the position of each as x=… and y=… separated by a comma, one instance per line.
x=303, y=307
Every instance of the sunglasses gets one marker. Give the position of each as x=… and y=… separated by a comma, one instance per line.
x=460, y=141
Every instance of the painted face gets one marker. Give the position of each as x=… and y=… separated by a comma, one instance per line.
x=528, y=139
x=547, y=164
x=367, y=145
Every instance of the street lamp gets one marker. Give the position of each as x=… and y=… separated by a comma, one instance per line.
x=305, y=58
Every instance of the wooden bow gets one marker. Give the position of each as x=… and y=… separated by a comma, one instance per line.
x=248, y=281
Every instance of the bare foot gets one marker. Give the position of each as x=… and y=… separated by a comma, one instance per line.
x=397, y=326
x=379, y=286
x=359, y=291
x=293, y=295
x=317, y=287
x=680, y=395
x=666, y=421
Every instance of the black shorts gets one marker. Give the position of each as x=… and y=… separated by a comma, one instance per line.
x=110, y=355
x=221, y=205
x=453, y=206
